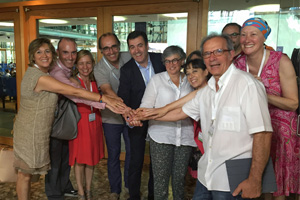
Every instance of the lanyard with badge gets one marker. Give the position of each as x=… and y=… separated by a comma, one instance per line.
x=109, y=67
x=261, y=64
x=59, y=65
x=92, y=116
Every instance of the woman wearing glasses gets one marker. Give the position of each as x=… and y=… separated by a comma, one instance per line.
x=276, y=72
x=170, y=142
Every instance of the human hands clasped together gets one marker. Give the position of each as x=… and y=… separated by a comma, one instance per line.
x=134, y=117
x=115, y=104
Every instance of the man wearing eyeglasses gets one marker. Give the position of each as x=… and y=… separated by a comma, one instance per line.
x=235, y=122
x=107, y=74
x=233, y=30
x=135, y=75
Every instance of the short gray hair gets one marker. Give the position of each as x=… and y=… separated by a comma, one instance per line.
x=215, y=35
x=171, y=50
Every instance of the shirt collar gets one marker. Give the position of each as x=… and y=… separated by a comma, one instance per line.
x=110, y=66
x=223, y=80
x=148, y=64
x=60, y=65
x=167, y=77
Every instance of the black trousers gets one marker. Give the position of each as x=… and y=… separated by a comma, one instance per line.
x=57, y=181
x=137, y=137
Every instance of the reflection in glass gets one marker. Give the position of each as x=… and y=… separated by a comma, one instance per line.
x=7, y=46
x=83, y=30
x=8, y=93
x=284, y=23
x=162, y=30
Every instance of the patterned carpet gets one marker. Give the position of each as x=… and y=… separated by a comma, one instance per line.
x=100, y=185
x=100, y=191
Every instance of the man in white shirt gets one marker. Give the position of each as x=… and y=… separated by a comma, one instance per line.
x=235, y=122
x=107, y=74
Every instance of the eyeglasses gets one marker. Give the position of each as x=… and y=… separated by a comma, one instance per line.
x=233, y=35
x=217, y=52
x=174, y=61
x=113, y=48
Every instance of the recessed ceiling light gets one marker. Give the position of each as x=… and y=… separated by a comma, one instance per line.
x=177, y=15
x=266, y=8
x=6, y=24
x=54, y=21
x=119, y=18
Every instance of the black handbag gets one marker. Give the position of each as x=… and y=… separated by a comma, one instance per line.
x=65, y=120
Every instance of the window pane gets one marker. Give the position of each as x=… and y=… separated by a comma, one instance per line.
x=162, y=30
x=83, y=30
x=8, y=90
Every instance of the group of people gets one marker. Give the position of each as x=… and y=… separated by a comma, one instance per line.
x=247, y=113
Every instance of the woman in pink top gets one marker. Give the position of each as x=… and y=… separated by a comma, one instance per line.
x=276, y=72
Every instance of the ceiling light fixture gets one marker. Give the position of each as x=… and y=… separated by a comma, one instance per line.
x=266, y=8
x=176, y=15
x=6, y=24
x=54, y=21
x=119, y=19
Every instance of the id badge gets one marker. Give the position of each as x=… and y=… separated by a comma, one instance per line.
x=92, y=117
x=211, y=129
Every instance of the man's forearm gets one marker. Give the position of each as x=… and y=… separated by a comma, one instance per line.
x=64, y=79
x=260, y=154
x=107, y=90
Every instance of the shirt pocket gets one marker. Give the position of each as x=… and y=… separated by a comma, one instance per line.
x=229, y=119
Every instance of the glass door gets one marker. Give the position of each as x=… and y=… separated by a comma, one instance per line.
x=165, y=24
x=162, y=30
x=8, y=89
x=10, y=66
x=77, y=23
x=82, y=29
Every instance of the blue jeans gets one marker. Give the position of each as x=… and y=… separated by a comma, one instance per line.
x=201, y=193
x=113, y=134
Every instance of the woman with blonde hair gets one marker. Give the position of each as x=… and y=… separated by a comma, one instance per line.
x=87, y=149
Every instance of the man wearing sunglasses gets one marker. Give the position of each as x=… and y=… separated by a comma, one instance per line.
x=233, y=30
